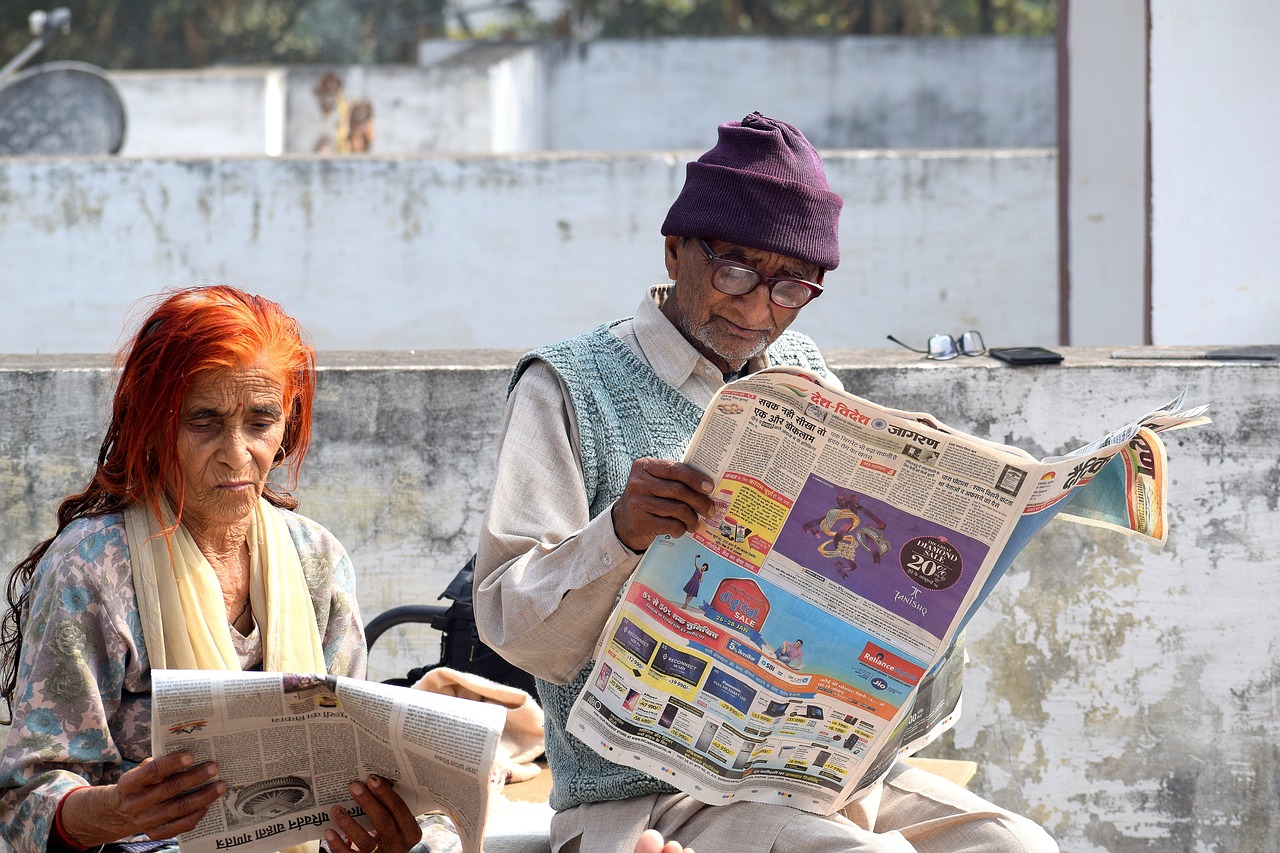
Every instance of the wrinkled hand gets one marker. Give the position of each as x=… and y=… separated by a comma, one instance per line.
x=395, y=830
x=155, y=799
x=651, y=842
x=661, y=498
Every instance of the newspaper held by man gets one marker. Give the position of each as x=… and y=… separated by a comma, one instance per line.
x=288, y=745
x=805, y=634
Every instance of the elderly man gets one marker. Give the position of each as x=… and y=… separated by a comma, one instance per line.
x=587, y=479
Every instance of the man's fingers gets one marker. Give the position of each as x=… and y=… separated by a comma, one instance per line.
x=667, y=478
x=638, y=522
x=661, y=498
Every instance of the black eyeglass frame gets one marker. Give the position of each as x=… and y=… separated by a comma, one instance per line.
x=945, y=347
x=812, y=289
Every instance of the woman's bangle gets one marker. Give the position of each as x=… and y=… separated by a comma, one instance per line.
x=59, y=831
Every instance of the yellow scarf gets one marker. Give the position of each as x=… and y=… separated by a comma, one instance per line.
x=184, y=617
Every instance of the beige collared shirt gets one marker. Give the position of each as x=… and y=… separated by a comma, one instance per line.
x=547, y=574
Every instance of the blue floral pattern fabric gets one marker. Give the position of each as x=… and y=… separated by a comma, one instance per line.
x=82, y=713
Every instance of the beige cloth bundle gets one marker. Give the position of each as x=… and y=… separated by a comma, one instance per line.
x=522, y=738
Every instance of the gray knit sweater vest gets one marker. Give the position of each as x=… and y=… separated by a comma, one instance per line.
x=624, y=411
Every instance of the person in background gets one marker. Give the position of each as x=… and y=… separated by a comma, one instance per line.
x=178, y=554
x=587, y=479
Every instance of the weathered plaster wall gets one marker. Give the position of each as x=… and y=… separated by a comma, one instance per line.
x=222, y=112
x=1125, y=697
x=852, y=92
x=219, y=111
x=502, y=251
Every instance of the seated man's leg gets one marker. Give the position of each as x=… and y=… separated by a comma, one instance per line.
x=614, y=827
x=760, y=828
x=937, y=816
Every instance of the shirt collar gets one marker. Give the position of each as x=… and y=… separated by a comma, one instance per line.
x=670, y=355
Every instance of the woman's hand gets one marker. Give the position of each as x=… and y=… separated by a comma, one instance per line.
x=160, y=798
x=651, y=841
x=395, y=829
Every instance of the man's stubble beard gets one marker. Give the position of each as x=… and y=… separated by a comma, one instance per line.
x=708, y=338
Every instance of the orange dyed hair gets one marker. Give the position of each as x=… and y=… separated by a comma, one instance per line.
x=189, y=334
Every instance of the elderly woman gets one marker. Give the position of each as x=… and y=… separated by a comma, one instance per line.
x=179, y=554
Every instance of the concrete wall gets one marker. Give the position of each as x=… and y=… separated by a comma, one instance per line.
x=490, y=251
x=1106, y=171
x=220, y=112
x=211, y=112
x=414, y=109
x=1214, y=169
x=1125, y=697
x=853, y=92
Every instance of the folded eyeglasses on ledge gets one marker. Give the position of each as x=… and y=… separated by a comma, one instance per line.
x=943, y=347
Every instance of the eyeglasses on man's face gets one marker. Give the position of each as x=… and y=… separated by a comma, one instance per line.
x=943, y=347
x=735, y=279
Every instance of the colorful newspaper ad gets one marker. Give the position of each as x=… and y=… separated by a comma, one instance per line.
x=288, y=745
x=806, y=633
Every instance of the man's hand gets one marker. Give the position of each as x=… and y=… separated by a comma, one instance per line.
x=160, y=798
x=661, y=498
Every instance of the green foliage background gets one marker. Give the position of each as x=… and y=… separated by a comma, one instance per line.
x=182, y=34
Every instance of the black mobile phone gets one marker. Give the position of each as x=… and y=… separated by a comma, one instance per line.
x=1025, y=355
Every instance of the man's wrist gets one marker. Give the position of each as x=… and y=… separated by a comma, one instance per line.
x=614, y=523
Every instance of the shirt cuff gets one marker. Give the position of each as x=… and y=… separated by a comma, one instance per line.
x=609, y=555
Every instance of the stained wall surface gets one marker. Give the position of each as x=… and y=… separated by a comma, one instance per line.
x=1125, y=697
x=608, y=95
x=429, y=252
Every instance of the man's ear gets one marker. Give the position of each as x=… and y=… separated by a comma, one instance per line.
x=671, y=250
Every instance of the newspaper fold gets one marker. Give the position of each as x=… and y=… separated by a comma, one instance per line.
x=288, y=745
x=808, y=631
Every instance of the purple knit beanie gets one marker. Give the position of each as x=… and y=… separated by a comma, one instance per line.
x=761, y=186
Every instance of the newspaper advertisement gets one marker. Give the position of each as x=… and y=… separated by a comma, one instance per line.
x=805, y=634
x=288, y=745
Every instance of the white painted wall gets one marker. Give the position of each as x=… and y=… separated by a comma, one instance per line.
x=1106, y=183
x=517, y=104
x=502, y=251
x=210, y=112
x=1215, y=122
x=851, y=92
